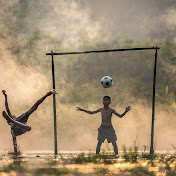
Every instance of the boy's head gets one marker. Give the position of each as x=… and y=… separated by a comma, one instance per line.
x=106, y=100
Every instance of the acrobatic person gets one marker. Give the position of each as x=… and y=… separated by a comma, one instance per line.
x=106, y=130
x=19, y=125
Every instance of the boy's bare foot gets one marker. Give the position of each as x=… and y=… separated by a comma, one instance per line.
x=53, y=91
x=7, y=117
x=128, y=108
x=78, y=109
x=116, y=156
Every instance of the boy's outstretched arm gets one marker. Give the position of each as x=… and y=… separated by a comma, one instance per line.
x=128, y=108
x=89, y=112
x=6, y=103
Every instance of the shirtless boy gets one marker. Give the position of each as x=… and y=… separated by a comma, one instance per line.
x=19, y=125
x=106, y=130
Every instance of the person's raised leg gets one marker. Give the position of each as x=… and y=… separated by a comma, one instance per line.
x=115, y=147
x=35, y=106
x=22, y=125
x=98, y=147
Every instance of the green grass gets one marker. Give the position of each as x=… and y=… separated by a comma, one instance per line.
x=93, y=158
x=15, y=165
x=132, y=155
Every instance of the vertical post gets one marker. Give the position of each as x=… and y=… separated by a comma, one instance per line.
x=153, y=105
x=54, y=107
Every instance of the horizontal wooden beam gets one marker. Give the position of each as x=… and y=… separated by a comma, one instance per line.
x=103, y=51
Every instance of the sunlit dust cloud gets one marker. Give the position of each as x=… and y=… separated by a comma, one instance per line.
x=23, y=85
x=30, y=29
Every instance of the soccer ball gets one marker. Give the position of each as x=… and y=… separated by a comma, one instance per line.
x=106, y=81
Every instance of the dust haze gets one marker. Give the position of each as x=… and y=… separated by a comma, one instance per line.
x=29, y=29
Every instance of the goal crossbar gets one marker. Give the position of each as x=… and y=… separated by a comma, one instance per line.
x=102, y=51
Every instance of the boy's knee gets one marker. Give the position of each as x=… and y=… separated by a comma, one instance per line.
x=29, y=128
x=99, y=142
x=114, y=143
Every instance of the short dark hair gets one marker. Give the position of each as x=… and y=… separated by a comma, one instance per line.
x=107, y=97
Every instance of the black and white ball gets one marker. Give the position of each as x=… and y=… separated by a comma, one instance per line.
x=106, y=81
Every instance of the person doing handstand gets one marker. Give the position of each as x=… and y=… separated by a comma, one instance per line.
x=19, y=125
x=106, y=130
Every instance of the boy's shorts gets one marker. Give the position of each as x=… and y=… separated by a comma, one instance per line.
x=23, y=119
x=106, y=132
